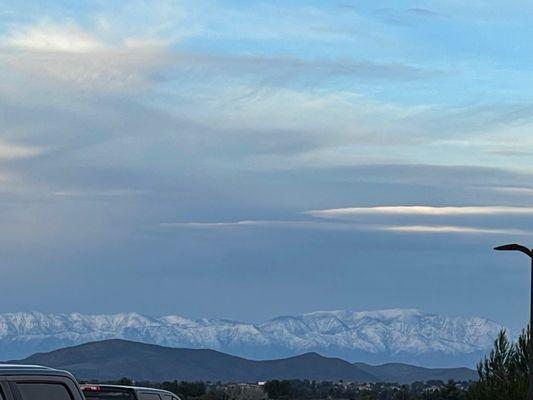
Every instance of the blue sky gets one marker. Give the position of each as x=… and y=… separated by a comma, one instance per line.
x=246, y=159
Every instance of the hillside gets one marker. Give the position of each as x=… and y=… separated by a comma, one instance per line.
x=405, y=373
x=113, y=359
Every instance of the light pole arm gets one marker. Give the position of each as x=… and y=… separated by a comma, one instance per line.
x=515, y=247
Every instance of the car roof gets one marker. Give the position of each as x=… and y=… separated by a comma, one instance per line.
x=136, y=388
x=16, y=369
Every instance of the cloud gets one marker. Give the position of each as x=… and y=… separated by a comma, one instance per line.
x=103, y=71
x=420, y=211
x=51, y=55
x=111, y=193
x=46, y=37
x=283, y=69
x=453, y=230
x=249, y=101
x=341, y=128
x=97, y=60
x=217, y=224
x=291, y=224
x=10, y=151
x=429, y=212
x=407, y=229
x=514, y=190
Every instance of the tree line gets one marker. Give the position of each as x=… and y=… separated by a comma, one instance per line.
x=502, y=375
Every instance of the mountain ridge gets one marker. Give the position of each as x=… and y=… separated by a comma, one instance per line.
x=115, y=358
x=394, y=335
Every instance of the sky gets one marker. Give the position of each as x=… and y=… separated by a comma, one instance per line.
x=249, y=159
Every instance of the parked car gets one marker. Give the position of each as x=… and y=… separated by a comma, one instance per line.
x=31, y=382
x=119, y=392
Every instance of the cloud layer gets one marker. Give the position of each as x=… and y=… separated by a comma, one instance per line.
x=421, y=210
x=208, y=149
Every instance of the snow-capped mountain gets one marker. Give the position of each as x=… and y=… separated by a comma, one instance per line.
x=367, y=336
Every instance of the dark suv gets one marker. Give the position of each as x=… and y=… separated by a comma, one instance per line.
x=118, y=392
x=30, y=382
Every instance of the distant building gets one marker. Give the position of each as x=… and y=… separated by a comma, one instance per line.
x=364, y=387
x=245, y=391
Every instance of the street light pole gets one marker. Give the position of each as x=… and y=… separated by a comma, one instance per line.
x=529, y=253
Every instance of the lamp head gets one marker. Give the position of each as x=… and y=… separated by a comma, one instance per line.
x=515, y=247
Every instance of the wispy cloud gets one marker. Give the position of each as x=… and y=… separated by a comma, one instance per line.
x=314, y=225
x=217, y=224
x=53, y=38
x=267, y=224
x=281, y=69
x=55, y=54
x=111, y=193
x=514, y=190
x=420, y=210
x=10, y=151
x=451, y=229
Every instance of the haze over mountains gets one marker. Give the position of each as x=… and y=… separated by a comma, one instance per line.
x=115, y=358
x=408, y=336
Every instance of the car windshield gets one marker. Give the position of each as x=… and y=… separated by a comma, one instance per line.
x=109, y=394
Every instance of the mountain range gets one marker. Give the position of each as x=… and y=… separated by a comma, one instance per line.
x=399, y=335
x=116, y=358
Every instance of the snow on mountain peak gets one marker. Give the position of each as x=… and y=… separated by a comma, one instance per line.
x=404, y=335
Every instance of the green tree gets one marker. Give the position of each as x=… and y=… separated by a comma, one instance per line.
x=369, y=396
x=403, y=393
x=185, y=390
x=278, y=389
x=125, y=381
x=503, y=374
x=451, y=392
